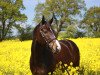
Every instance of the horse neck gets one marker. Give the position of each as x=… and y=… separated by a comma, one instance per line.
x=37, y=46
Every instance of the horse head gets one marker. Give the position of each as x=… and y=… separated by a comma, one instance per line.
x=45, y=35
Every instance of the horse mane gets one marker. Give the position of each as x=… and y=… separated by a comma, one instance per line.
x=34, y=31
x=33, y=36
x=34, y=40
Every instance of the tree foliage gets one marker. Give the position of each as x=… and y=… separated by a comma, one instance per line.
x=10, y=15
x=92, y=18
x=64, y=11
x=24, y=33
x=71, y=31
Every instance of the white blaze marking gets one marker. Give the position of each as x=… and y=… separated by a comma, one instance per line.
x=58, y=45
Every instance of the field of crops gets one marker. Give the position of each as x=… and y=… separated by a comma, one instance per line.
x=15, y=55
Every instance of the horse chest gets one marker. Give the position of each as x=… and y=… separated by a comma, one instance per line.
x=44, y=56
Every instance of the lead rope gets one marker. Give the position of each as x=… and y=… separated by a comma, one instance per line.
x=65, y=69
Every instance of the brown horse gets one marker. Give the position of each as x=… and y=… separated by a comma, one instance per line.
x=47, y=51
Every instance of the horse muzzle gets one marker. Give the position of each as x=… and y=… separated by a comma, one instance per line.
x=55, y=46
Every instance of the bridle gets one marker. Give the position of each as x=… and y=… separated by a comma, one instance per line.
x=48, y=41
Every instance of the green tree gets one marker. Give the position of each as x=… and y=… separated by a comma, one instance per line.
x=10, y=15
x=71, y=31
x=64, y=11
x=24, y=32
x=92, y=19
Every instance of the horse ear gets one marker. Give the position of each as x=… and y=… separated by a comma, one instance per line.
x=50, y=21
x=43, y=20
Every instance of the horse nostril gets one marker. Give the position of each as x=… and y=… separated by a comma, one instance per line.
x=58, y=48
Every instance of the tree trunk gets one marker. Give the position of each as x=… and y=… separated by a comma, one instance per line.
x=3, y=31
x=59, y=25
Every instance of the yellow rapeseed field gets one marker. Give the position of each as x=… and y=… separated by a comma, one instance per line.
x=15, y=55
